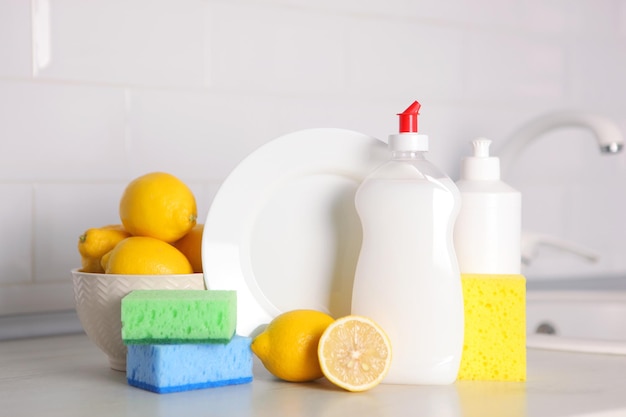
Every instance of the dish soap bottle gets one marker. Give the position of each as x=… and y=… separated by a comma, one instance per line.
x=490, y=215
x=407, y=277
x=487, y=243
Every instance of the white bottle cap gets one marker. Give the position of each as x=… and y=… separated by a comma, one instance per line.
x=481, y=166
x=408, y=142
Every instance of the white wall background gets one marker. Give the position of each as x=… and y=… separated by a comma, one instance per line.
x=93, y=94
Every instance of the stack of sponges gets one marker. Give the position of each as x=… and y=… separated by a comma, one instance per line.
x=180, y=340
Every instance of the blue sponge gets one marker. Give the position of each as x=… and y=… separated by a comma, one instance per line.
x=184, y=367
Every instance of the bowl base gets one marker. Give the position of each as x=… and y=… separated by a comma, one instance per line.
x=117, y=364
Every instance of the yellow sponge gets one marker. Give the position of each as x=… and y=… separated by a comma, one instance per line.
x=495, y=328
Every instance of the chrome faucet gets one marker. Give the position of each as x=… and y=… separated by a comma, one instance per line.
x=606, y=132
x=610, y=140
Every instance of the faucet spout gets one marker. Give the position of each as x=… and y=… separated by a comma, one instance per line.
x=606, y=132
x=613, y=147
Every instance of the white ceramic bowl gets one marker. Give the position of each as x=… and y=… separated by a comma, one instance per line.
x=98, y=304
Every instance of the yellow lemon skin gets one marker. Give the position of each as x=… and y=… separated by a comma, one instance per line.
x=105, y=260
x=158, y=205
x=97, y=241
x=288, y=345
x=191, y=246
x=142, y=255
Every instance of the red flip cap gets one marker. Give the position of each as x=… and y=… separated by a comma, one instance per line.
x=408, y=118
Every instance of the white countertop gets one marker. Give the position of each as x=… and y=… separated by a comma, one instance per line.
x=68, y=376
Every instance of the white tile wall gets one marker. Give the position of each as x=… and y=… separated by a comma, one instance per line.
x=15, y=38
x=140, y=42
x=93, y=94
x=515, y=66
x=53, y=131
x=418, y=58
x=16, y=213
x=276, y=50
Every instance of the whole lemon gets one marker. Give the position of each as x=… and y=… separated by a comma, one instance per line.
x=158, y=205
x=191, y=246
x=144, y=255
x=96, y=242
x=288, y=345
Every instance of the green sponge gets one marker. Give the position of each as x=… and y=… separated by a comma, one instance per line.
x=178, y=316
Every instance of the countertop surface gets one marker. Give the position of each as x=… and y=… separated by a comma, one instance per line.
x=68, y=376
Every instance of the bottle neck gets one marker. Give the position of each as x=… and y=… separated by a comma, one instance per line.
x=407, y=155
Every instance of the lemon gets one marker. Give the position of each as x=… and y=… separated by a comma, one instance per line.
x=288, y=345
x=96, y=242
x=146, y=256
x=158, y=205
x=191, y=246
x=354, y=353
x=105, y=260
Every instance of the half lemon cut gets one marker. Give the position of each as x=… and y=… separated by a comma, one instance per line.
x=354, y=353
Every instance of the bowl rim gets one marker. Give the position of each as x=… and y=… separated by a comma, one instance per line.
x=77, y=271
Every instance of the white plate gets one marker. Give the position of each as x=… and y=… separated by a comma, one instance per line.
x=282, y=229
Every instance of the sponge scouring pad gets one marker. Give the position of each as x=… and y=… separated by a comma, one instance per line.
x=495, y=328
x=173, y=368
x=178, y=316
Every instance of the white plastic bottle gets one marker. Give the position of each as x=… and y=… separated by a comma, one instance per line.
x=407, y=277
x=487, y=231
